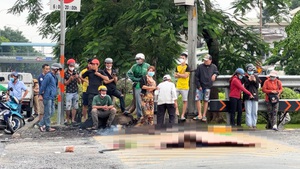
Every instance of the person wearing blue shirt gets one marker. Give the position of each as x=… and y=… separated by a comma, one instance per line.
x=47, y=93
x=18, y=87
x=45, y=70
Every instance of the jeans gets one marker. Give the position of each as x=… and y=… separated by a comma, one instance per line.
x=72, y=101
x=138, y=102
x=251, y=107
x=161, y=111
x=119, y=95
x=48, y=112
x=235, y=105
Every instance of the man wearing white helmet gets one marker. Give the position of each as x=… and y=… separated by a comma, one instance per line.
x=48, y=92
x=135, y=73
x=111, y=84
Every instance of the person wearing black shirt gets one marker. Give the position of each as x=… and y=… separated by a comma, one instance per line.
x=96, y=77
x=111, y=84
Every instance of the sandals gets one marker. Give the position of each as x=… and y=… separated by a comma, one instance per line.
x=197, y=118
x=41, y=128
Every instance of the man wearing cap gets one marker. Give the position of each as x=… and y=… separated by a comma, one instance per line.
x=111, y=84
x=166, y=100
x=96, y=77
x=135, y=73
x=48, y=92
x=71, y=82
x=205, y=75
x=272, y=86
x=18, y=87
x=85, y=95
x=102, y=108
x=182, y=74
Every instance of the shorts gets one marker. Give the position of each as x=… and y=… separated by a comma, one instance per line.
x=72, y=101
x=202, y=95
x=85, y=98
x=184, y=94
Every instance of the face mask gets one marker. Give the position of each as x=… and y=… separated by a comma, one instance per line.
x=181, y=60
x=12, y=79
x=139, y=61
x=71, y=68
x=108, y=67
x=151, y=74
x=103, y=95
x=250, y=72
x=240, y=77
x=272, y=78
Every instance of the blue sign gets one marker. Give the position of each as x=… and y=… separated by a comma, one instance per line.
x=19, y=58
x=48, y=58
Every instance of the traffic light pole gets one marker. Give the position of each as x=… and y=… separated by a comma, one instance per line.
x=60, y=110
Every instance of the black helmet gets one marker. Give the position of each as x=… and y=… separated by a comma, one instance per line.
x=56, y=66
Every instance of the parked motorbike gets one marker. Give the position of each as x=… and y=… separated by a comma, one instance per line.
x=10, y=118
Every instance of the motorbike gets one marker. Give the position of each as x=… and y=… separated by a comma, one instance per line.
x=10, y=118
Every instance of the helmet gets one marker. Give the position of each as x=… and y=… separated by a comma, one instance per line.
x=56, y=66
x=140, y=56
x=14, y=74
x=250, y=67
x=240, y=71
x=108, y=60
x=71, y=62
x=102, y=88
x=35, y=81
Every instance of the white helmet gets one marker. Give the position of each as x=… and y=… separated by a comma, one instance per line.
x=108, y=60
x=140, y=56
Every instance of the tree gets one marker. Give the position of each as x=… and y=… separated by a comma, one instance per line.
x=287, y=51
x=120, y=29
x=10, y=35
x=295, y=4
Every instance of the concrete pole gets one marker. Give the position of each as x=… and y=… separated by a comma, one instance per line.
x=60, y=111
x=192, y=46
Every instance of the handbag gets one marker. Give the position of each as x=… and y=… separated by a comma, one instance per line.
x=273, y=98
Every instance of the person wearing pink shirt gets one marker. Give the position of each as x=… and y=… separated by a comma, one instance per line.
x=235, y=101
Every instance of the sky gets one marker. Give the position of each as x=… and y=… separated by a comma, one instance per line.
x=18, y=22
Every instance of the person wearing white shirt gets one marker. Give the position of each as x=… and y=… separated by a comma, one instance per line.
x=166, y=100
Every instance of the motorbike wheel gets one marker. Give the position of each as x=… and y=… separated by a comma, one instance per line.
x=15, y=124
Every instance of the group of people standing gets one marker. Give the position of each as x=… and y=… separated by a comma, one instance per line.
x=248, y=83
x=99, y=86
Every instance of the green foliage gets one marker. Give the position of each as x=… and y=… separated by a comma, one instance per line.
x=275, y=8
x=120, y=29
x=295, y=4
x=287, y=51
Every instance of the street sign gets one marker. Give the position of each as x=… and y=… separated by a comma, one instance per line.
x=70, y=5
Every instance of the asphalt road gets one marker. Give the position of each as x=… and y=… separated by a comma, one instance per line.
x=46, y=150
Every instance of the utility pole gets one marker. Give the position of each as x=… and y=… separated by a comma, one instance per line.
x=192, y=46
x=60, y=110
x=260, y=18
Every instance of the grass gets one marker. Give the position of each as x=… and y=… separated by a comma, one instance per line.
x=287, y=126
